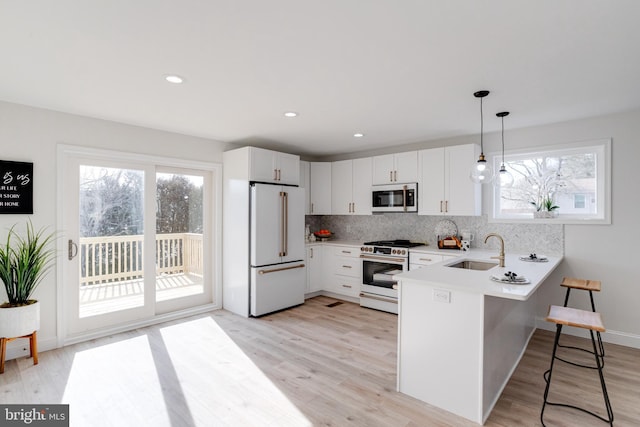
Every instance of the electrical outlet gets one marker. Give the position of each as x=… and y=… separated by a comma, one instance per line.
x=441, y=295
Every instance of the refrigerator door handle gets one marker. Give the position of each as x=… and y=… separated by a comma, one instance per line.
x=284, y=223
x=285, y=234
x=275, y=270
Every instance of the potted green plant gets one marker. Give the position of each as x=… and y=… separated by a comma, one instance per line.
x=545, y=208
x=24, y=262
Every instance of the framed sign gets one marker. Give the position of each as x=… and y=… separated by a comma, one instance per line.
x=16, y=187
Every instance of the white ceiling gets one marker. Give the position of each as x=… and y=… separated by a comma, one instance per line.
x=399, y=71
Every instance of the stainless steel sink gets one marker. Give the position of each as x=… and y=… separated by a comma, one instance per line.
x=469, y=264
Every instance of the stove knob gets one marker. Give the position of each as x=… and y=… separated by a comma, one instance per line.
x=404, y=252
x=394, y=251
x=361, y=248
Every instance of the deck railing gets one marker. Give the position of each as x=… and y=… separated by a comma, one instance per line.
x=115, y=258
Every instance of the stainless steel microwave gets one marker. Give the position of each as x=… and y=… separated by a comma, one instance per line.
x=394, y=198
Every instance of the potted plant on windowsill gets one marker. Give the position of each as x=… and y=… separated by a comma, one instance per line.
x=545, y=208
x=24, y=261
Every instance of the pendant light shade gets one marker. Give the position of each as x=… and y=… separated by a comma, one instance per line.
x=503, y=178
x=481, y=172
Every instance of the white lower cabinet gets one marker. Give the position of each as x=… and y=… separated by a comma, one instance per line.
x=344, y=270
x=314, y=268
x=422, y=259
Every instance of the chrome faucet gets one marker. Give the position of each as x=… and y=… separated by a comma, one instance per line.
x=501, y=256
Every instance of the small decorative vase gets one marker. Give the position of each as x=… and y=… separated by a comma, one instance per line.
x=19, y=321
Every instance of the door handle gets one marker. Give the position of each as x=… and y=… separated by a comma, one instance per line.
x=286, y=223
x=390, y=176
x=395, y=176
x=73, y=250
x=274, y=270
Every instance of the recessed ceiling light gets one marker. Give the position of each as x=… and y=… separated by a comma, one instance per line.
x=173, y=78
x=290, y=114
x=358, y=135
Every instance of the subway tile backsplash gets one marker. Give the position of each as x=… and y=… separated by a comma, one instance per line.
x=522, y=238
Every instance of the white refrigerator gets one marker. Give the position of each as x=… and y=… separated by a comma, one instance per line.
x=277, y=270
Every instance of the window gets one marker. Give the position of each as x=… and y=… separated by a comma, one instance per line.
x=565, y=184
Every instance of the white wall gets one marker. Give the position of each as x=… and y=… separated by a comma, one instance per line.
x=600, y=252
x=31, y=135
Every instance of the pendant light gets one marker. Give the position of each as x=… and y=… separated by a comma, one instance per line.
x=503, y=178
x=481, y=172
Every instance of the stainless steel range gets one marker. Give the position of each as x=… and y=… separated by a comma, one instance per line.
x=380, y=261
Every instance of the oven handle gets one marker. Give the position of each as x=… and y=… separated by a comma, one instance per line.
x=381, y=258
x=376, y=297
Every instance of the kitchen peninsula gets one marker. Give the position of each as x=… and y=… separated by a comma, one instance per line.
x=461, y=334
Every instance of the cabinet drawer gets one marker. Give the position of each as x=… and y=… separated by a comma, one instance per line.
x=346, y=266
x=349, y=286
x=346, y=251
x=424, y=259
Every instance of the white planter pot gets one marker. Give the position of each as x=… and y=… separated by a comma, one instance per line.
x=545, y=214
x=19, y=321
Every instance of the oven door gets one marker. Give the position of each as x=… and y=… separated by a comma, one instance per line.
x=394, y=198
x=377, y=272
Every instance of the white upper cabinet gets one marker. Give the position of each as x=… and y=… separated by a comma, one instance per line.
x=305, y=178
x=362, y=170
x=395, y=168
x=320, y=188
x=351, y=187
x=341, y=187
x=274, y=167
x=444, y=187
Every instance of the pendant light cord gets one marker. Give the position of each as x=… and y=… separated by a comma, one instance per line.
x=481, y=129
x=502, y=118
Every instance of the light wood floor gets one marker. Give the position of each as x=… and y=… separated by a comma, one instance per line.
x=313, y=365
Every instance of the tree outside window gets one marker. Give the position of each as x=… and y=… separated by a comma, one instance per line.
x=567, y=182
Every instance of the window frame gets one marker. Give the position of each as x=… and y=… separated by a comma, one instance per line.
x=603, y=183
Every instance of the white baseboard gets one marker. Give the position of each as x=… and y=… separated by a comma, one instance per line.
x=611, y=336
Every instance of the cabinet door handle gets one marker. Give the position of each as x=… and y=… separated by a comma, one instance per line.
x=395, y=176
x=275, y=174
x=421, y=259
x=311, y=251
x=311, y=207
x=353, y=207
x=346, y=266
x=346, y=252
x=440, y=205
x=446, y=206
x=347, y=286
x=390, y=176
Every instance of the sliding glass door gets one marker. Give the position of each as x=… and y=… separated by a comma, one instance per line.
x=138, y=237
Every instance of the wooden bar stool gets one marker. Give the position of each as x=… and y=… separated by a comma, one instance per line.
x=584, y=285
x=580, y=319
x=33, y=348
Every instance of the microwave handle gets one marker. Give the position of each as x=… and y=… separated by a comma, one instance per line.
x=404, y=197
